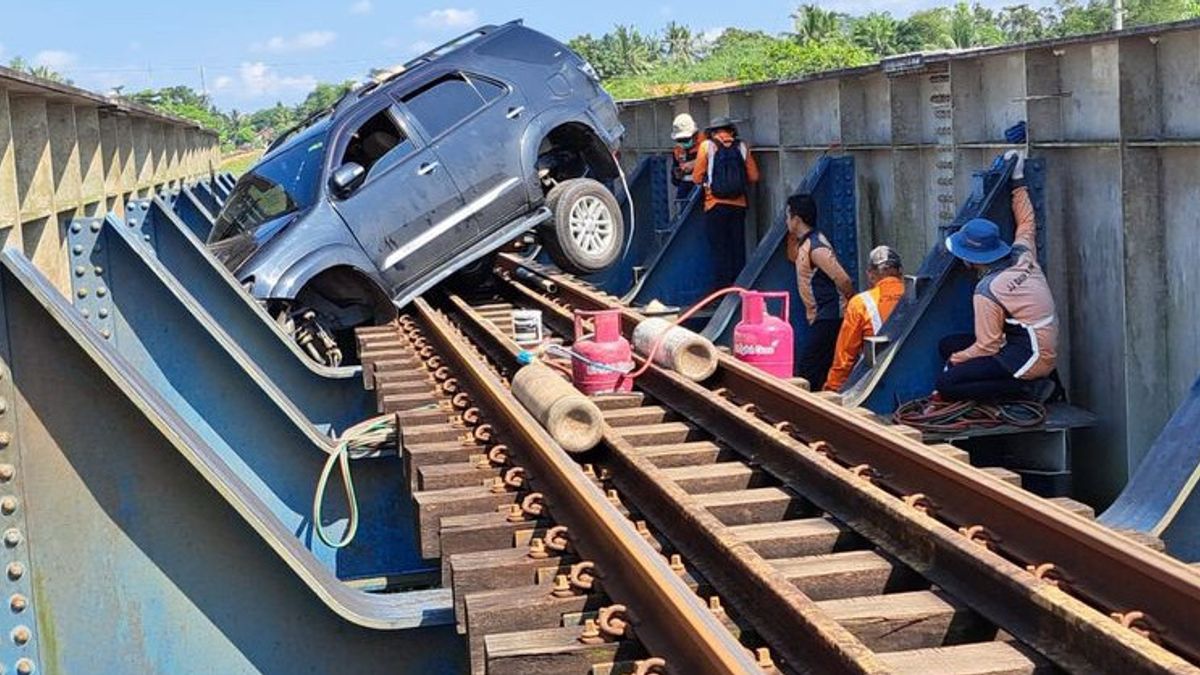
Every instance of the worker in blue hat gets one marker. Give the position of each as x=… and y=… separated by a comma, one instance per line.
x=1015, y=344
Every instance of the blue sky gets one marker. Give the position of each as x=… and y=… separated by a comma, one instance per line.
x=254, y=53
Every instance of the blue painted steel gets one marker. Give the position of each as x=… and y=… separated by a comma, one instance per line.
x=942, y=306
x=831, y=183
x=650, y=204
x=212, y=383
x=328, y=397
x=1161, y=498
x=148, y=551
x=219, y=188
x=207, y=195
x=193, y=213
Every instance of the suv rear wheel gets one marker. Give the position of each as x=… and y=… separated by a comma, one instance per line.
x=587, y=231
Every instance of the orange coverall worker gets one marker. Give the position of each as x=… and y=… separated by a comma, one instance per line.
x=865, y=315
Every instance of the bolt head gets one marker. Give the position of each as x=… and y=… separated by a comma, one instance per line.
x=133, y=221
x=103, y=313
x=95, y=226
x=102, y=291
x=85, y=312
x=15, y=570
x=98, y=270
x=5, y=439
x=106, y=333
x=145, y=237
x=21, y=635
x=8, y=505
x=12, y=536
x=83, y=292
x=7, y=471
x=3, y=406
x=77, y=249
x=18, y=603
x=24, y=666
x=76, y=227
x=80, y=271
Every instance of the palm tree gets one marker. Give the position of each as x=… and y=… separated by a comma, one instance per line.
x=814, y=24
x=876, y=32
x=679, y=43
x=633, y=51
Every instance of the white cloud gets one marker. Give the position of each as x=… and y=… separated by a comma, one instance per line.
x=222, y=82
x=258, y=79
x=710, y=35
x=361, y=7
x=449, y=18
x=54, y=59
x=313, y=39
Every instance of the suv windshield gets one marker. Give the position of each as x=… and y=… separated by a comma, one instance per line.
x=283, y=184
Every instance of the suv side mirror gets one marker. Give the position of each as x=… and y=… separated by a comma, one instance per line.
x=347, y=177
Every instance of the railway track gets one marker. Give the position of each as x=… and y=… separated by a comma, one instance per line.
x=742, y=525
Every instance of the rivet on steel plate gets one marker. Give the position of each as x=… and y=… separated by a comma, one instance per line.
x=582, y=575
x=15, y=570
x=12, y=537
x=1138, y=622
x=133, y=222
x=557, y=539
x=562, y=587
x=533, y=504
x=77, y=249
x=85, y=312
x=613, y=620
x=498, y=454
x=101, y=291
x=76, y=227
x=82, y=292
x=8, y=504
x=514, y=477
x=921, y=503
x=24, y=666
x=17, y=603
x=7, y=471
x=80, y=270
x=591, y=633
x=537, y=549
x=20, y=635
x=655, y=665
x=105, y=333
x=103, y=313
x=978, y=534
x=5, y=439
x=95, y=226
x=145, y=237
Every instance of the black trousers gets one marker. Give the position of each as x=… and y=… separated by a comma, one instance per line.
x=816, y=356
x=725, y=227
x=983, y=379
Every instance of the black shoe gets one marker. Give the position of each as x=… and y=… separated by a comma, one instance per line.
x=1041, y=390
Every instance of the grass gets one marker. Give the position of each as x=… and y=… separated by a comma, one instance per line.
x=239, y=163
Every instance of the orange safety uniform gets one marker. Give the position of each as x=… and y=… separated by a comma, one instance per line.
x=865, y=316
x=700, y=170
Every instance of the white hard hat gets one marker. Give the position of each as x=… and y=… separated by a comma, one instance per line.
x=683, y=128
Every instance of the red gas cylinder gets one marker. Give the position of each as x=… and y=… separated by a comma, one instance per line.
x=608, y=355
x=762, y=340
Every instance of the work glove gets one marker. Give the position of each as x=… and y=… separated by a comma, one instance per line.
x=1018, y=170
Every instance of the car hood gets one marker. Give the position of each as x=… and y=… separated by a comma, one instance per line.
x=236, y=250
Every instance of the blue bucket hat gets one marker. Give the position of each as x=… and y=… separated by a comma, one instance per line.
x=978, y=242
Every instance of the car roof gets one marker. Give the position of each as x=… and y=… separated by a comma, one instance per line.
x=351, y=99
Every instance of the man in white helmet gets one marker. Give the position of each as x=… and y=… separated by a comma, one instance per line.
x=687, y=140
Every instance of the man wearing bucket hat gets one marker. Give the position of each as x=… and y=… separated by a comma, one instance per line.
x=726, y=169
x=1015, y=344
x=867, y=312
x=687, y=140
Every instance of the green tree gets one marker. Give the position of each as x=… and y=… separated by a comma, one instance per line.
x=323, y=96
x=1078, y=19
x=928, y=29
x=1142, y=12
x=813, y=24
x=18, y=63
x=634, y=53
x=680, y=45
x=876, y=32
x=1022, y=23
x=973, y=26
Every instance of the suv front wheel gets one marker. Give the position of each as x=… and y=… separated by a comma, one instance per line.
x=587, y=231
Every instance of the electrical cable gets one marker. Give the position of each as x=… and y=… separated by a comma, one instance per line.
x=938, y=416
x=369, y=437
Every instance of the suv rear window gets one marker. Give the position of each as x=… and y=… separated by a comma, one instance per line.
x=447, y=101
x=526, y=46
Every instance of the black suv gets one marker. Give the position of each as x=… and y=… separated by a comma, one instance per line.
x=422, y=173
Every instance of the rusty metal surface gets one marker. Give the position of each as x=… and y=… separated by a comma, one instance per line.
x=681, y=629
x=1100, y=568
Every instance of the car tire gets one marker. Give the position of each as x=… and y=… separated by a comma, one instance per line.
x=587, y=231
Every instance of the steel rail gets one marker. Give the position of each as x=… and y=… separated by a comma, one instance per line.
x=681, y=629
x=796, y=629
x=1094, y=564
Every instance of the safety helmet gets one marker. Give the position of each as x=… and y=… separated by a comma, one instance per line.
x=683, y=128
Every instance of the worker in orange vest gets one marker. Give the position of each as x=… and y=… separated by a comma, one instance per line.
x=727, y=170
x=687, y=140
x=867, y=312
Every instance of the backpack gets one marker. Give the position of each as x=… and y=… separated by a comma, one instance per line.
x=727, y=177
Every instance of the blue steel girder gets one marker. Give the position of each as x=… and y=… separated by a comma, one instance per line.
x=228, y=179
x=831, y=183
x=219, y=188
x=940, y=303
x=143, y=548
x=193, y=213
x=207, y=195
x=327, y=396
x=209, y=380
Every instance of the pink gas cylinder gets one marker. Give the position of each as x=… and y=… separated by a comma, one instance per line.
x=762, y=340
x=606, y=356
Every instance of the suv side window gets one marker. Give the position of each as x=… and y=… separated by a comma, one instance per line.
x=447, y=101
x=378, y=144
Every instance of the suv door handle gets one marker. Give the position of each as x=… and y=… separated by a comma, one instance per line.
x=427, y=168
x=514, y=113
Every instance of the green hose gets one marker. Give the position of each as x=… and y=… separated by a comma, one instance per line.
x=363, y=436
